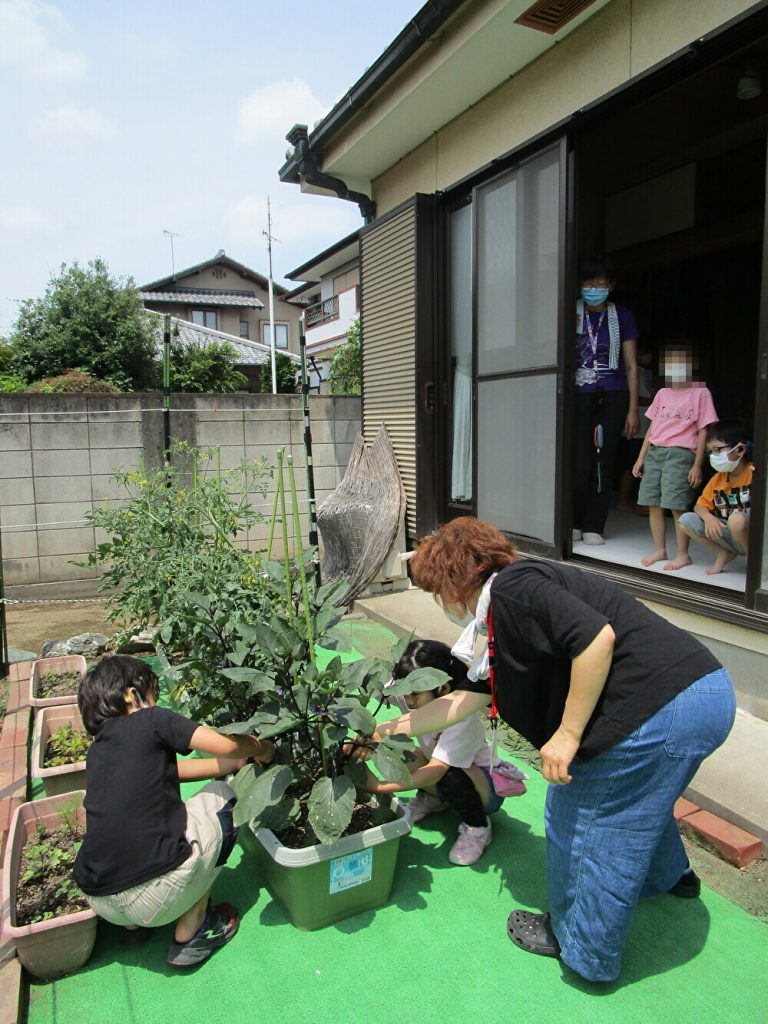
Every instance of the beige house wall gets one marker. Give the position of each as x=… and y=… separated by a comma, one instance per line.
x=620, y=42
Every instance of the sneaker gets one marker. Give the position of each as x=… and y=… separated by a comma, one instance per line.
x=688, y=885
x=220, y=925
x=423, y=804
x=469, y=847
x=576, y=535
x=592, y=538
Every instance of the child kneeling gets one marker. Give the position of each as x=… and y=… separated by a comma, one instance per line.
x=149, y=859
x=453, y=768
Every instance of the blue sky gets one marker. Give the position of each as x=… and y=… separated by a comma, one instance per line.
x=122, y=119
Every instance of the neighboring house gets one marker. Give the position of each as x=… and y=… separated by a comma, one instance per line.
x=492, y=145
x=227, y=296
x=332, y=294
x=253, y=359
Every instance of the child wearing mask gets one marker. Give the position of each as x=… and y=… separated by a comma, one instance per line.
x=148, y=859
x=453, y=767
x=720, y=518
x=672, y=455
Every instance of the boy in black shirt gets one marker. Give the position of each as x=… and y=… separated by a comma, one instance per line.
x=149, y=859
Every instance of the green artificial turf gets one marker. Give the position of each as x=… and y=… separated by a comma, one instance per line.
x=437, y=952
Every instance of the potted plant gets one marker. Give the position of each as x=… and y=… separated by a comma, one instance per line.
x=45, y=915
x=59, y=746
x=326, y=850
x=55, y=680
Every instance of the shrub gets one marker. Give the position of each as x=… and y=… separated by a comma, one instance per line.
x=344, y=375
x=208, y=368
x=72, y=381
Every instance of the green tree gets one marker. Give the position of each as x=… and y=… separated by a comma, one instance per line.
x=87, y=320
x=285, y=371
x=208, y=368
x=344, y=375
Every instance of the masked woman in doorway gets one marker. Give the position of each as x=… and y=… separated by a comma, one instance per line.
x=624, y=707
x=606, y=395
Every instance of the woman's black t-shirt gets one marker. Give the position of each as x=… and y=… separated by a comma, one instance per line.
x=544, y=615
x=135, y=818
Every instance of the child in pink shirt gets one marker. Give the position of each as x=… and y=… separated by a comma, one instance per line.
x=672, y=455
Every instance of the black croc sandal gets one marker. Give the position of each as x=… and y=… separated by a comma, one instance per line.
x=533, y=933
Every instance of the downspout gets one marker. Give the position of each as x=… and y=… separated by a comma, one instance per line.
x=306, y=162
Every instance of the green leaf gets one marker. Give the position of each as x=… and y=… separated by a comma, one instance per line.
x=326, y=618
x=357, y=771
x=331, y=804
x=280, y=816
x=337, y=639
x=419, y=680
x=389, y=761
x=399, y=647
x=335, y=592
x=333, y=733
x=275, y=570
x=246, y=675
x=292, y=640
x=301, y=694
x=257, y=790
x=350, y=712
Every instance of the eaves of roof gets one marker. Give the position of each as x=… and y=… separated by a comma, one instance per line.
x=220, y=257
x=431, y=17
x=250, y=353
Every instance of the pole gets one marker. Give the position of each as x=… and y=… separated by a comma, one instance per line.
x=4, y=658
x=312, y=504
x=271, y=299
x=167, y=388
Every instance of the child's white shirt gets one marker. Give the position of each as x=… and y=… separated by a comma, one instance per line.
x=459, y=746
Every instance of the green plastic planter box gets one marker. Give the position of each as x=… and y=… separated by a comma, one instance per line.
x=322, y=884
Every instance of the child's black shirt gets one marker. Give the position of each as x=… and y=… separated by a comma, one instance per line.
x=135, y=818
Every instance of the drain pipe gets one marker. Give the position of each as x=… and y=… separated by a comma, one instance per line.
x=306, y=162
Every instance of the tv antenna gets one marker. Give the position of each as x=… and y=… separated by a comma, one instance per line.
x=171, y=235
x=270, y=239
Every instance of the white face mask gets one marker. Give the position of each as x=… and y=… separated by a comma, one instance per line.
x=457, y=619
x=720, y=462
x=677, y=373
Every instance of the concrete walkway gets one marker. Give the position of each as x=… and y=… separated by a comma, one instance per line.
x=731, y=783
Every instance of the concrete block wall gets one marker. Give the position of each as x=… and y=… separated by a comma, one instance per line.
x=58, y=454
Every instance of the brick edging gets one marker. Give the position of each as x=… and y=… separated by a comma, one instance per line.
x=733, y=843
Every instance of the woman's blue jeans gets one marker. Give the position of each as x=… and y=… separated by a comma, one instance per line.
x=611, y=835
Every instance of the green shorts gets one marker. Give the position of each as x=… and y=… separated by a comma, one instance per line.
x=664, y=482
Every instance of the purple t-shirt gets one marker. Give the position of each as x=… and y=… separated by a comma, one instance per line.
x=607, y=379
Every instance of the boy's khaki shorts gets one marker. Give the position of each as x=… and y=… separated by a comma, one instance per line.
x=164, y=899
x=664, y=483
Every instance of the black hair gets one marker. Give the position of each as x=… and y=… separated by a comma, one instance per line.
x=431, y=654
x=597, y=264
x=101, y=693
x=731, y=432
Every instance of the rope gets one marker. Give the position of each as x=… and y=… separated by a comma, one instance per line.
x=51, y=600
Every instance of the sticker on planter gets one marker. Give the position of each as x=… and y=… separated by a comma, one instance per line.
x=352, y=870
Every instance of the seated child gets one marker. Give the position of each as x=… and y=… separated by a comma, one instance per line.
x=453, y=768
x=720, y=518
x=670, y=461
x=148, y=859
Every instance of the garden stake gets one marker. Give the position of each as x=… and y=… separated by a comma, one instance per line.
x=312, y=506
x=274, y=513
x=300, y=559
x=167, y=390
x=286, y=556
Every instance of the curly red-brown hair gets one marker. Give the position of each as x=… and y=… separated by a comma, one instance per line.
x=457, y=559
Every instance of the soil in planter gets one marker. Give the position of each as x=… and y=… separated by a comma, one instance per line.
x=299, y=833
x=57, y=684
x=66, y=746
x=46, y=887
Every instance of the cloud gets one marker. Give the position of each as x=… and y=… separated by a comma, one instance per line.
x=28, y=43
x=71, y=124
x=21, y=219
x=306, y=220
x=270, y=111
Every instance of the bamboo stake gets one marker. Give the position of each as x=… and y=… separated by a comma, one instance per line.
x=286, y=556
x=300, y=560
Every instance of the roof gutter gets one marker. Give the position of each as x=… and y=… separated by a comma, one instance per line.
x=307, y=170
x=416, y=33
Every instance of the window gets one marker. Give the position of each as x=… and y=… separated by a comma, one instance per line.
x=243, y=328
x=204, y=318
x=281, y=334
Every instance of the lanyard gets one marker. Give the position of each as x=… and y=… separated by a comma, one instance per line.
x=492, y=678
x=593, y=336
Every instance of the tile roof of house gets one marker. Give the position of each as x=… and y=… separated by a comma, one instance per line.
x=166, y=283
x=204, y=297
x=249, y=353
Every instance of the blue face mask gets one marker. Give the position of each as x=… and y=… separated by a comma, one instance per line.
x=595, y=296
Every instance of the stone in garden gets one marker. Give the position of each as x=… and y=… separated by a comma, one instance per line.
x=54, y=649
x=138, y=644
x=88, y=644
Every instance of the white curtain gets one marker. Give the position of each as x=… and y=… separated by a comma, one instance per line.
x=461, y=464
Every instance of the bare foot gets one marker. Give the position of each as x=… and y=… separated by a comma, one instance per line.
x=656, y=556
x=720, y=563
x=678, y=562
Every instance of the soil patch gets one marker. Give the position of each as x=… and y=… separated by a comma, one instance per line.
x=46, y=887
x=57, y=684
x=30, y=625
x=66, y=746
